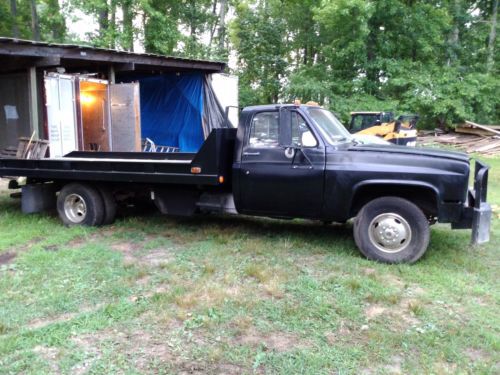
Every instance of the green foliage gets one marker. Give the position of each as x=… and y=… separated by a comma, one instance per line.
x=437, y=58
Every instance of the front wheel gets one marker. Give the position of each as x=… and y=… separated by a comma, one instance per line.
x=391, y=230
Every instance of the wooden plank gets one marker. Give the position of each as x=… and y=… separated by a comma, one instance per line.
x=473, y=131
x=484, y=127
x=488, y=147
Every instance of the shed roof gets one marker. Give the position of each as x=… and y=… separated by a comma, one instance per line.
x=17, y=54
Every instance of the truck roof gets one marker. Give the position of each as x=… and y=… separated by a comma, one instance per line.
x=268, y=107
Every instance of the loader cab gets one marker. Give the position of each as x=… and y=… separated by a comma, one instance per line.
x=364, y=120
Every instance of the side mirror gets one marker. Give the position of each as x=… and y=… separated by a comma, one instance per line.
x=308, y=140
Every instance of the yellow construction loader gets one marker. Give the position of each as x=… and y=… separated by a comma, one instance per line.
x=400, y=131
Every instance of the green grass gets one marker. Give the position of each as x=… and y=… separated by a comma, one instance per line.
x=219, y=294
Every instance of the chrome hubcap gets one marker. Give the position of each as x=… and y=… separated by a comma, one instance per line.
x=75, y=208
x=390, y=233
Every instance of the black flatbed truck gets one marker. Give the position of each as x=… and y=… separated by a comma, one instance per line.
x=283, y=161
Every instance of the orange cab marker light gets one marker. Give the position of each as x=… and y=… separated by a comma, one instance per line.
x=221, y=179
x=195, y=170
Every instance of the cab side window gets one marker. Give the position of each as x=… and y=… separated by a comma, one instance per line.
x=264, y=130
x=301, y=134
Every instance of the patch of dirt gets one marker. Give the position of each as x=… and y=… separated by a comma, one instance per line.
x=44, y=322
x=393, y=367
x=204, y=368
x=394, y=281
x=445, y=368
x=342, y=334
x=138, y=343
x=402, y=311
x=369, y=271
x=476, y=355
x=158, y=289
x=145, y=349
x=374, y=311
x=50, y=355
x=51, y=248
x=274, y=341
x=136, y=256
x=6, y=258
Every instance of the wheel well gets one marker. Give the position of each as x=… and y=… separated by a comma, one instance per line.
x=425, y=198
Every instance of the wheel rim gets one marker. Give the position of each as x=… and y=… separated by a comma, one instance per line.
x=75, y=208
x=390, y=233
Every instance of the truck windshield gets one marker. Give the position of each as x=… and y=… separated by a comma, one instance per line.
x=331, y=128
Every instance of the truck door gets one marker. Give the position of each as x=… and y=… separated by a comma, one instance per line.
x=282, y=166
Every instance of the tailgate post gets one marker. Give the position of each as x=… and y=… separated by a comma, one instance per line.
x=481, y=219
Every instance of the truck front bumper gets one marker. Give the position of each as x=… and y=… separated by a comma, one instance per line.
x=476, y=214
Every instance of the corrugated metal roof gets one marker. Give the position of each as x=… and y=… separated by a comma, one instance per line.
x=22, y=42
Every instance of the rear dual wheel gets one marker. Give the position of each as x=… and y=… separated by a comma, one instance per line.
x=83, y=204
x=391, y=230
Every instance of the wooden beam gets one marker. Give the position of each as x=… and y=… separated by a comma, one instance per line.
x=126, y=67
x=94, y=54
x=47, y=62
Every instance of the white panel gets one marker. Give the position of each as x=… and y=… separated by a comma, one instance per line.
x=125, y=117
x=226, y=89
x=61, y=114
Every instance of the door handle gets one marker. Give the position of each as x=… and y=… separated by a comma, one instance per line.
x=251, y=153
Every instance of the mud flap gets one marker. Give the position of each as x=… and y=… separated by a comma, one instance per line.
x=481, y=223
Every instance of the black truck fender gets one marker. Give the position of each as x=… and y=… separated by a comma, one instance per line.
x=422, y=194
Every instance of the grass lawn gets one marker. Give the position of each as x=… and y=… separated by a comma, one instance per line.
x=240, y=295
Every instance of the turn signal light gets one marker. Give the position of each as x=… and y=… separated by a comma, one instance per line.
x=221, y=179
x=195, y=170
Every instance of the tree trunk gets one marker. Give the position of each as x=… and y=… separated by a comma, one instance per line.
x=112, y=23
x=35, y=26
x=455, y=34
x=13, y=12
x=102, y=20
x=222, y=24
x=492, y=38
x=216, y=21
x=58, y=29
x=128, y=25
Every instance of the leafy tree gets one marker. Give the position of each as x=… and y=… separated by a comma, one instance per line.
x=258, y=34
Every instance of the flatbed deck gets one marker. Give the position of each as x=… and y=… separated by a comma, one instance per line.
x=201, y=168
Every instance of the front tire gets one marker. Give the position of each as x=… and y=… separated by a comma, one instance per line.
x=80, y=204
x=391, y=230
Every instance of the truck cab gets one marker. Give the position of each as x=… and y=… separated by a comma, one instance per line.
x=298, y=161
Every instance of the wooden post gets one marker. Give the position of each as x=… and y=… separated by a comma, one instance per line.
x=33, y=100
x=111, y=74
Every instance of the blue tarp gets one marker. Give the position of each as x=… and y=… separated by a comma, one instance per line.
x=171, y=110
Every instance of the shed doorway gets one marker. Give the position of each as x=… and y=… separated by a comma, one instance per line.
x=95, y=115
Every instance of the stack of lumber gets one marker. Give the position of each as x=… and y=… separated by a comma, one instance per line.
x=469, y=137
